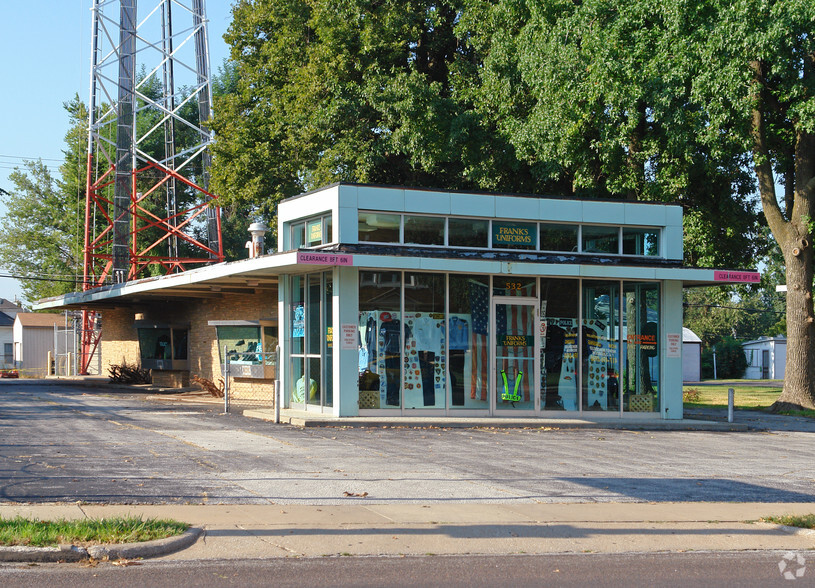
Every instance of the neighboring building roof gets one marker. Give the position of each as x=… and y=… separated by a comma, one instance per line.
x=6, y=320
x=689, y=336
x=776, y=339
x=40, y=319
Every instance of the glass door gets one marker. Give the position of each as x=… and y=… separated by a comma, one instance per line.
x=515, y=354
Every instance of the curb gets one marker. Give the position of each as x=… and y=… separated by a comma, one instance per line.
x=72, y=553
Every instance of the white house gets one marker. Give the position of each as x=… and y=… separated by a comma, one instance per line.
x=33, y=340
x=766, y=358
x=691, y=356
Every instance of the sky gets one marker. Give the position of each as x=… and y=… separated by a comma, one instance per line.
x=45, y=48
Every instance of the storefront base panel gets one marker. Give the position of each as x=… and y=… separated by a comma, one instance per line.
x=252, y=389
x=171, y=378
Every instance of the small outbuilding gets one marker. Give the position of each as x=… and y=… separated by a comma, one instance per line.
x=691, y=356
x=34, y=341
x=766, y=358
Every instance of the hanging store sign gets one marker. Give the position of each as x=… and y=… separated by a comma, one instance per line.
x=314, y=230
x=512, y=234
x=737, y=277
x=324, y=258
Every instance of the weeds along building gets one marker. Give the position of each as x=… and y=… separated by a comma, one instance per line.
x=400, y=301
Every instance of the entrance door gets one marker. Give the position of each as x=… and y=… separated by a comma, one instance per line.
x=515, y=355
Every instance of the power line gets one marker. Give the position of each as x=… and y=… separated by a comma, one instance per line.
x=686, y=305
x=31, y=158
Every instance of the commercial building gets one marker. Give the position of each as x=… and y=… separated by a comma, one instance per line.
x=399, y=301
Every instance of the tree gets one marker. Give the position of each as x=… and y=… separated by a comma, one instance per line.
x=367, y=91
x=41, y=234
x=756, y=77
x=596, y=97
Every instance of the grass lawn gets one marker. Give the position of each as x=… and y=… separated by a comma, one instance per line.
x=84, y=532
x=745, y=396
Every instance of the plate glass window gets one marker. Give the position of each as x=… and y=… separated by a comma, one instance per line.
x=424, y=230
x=377, y=227
x=598, y=239
x=468, y=232
x=558, y=237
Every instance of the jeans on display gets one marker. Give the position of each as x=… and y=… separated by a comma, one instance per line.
x=393, y=379
x=457, y=376
x=427, y=366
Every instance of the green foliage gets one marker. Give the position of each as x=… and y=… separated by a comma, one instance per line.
x=376, y=92
x=42, y=226
x=731, y=362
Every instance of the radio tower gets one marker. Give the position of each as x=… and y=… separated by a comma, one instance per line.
x=148, y=206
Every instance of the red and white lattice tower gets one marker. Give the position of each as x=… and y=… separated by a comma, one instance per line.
x=148, y=206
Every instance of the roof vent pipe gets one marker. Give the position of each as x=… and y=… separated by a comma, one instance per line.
x=256, y=245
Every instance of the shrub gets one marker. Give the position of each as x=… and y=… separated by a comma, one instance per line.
x=730, y=360
x=129, y=374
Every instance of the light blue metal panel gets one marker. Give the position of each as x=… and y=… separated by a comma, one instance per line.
x=472, y=205
x=650, y=215
x=608, y=213
x=671, y=402
x=346, y=361
x=623, y=273
x=516, y=207
x=375, y=198
x=560, y=210
x=348, y=196
x=673, y=215
x=346, y=225
x=424, y=201
x=672, y=242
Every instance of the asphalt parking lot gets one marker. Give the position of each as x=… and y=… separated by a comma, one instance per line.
x=65, y=443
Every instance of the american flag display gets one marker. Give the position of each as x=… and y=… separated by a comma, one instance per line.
x=479, y=295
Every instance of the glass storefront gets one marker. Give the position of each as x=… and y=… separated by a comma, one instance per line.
x=600, y=346
x=380, y=349
x=559, y=325
x=507, y=344
x=311, y=339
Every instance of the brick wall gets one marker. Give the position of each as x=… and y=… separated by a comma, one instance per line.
x=120, y=337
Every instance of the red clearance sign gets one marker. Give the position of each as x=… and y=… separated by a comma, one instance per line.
x=738, y=277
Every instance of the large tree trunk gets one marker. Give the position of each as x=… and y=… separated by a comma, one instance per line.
x=792, y=229
x=799, y=374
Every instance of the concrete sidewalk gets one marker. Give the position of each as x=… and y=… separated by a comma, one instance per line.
x=264, y=531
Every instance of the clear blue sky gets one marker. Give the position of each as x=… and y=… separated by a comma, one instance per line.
x=45, y=49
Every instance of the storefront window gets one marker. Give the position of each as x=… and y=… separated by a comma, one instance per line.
x=468, y=331
x=425, y=369
x=378, y=227
x=298, y=235
x=380, y=346
x=163, y=348
x=558, y=237
x=641, y=347
x=155, y=343
x=328, y=341
x=598, y=239
x=640, y=242
x=600, y=332
x=424, y=230
x=465, y=232
x=242, y=343
x=309, y=338
x=559, y=340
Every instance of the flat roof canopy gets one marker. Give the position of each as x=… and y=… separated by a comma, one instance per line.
x=251, y=276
